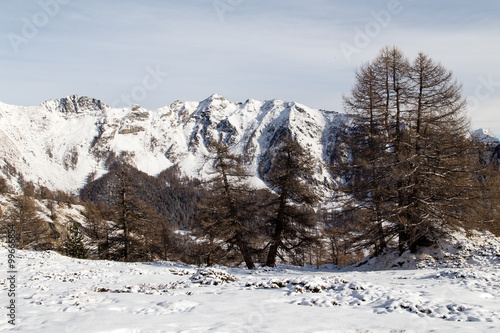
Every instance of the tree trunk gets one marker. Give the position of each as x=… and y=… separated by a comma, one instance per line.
x=404, y=238
x=245, y=252
x=271, y=257
x=273, y=249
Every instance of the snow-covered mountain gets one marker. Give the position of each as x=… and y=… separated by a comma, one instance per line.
x=60, y=142
x=485, y=136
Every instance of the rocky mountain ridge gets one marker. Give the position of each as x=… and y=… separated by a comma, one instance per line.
x=59, y=143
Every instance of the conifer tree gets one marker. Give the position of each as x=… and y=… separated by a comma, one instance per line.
x=225, y=211
x=30, y=228
x=411, y=168
x=4, y=188
x=98, y=230
x=74, y=246
x=139, y=225
x=292, y=216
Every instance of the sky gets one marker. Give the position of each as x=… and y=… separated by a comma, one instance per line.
x=154, y=52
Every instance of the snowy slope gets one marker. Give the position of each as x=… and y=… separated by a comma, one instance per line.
x=60, y=294
x=59, y=143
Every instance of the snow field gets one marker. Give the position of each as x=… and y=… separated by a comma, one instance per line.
x=60, y=294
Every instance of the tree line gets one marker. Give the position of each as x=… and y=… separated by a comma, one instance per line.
x=32, y=213
x=231, y=221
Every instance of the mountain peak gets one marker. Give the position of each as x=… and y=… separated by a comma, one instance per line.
x=485, y=135
x=75, y=104
x=215, y=97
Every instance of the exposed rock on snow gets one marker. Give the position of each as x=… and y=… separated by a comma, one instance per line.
x=212, y=276
x=59, y=143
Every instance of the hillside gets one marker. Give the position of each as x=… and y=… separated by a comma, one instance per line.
x=59, y=143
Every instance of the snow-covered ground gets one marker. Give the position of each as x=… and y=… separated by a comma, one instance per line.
x=61, y=294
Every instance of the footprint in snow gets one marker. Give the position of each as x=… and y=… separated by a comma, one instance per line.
x=168, y=307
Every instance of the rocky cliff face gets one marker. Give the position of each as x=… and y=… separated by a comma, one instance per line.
x=59, y=143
